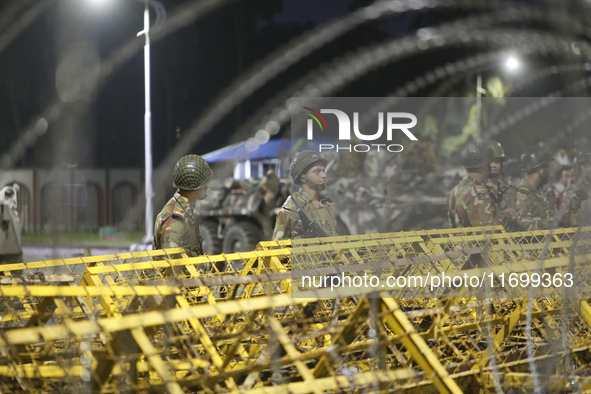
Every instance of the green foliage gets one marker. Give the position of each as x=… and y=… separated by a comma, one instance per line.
x=494, y=88
x=430, y=128
x=453, y=143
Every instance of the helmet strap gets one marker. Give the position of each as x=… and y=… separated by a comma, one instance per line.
x=312, y=185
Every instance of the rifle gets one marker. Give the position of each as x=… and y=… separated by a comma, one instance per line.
x=312, y=227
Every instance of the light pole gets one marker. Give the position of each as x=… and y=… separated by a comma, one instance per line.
x=147, y=128
x=479, y=92
x=511, y=64
x=160, y=16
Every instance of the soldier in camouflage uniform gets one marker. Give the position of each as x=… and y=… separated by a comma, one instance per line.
x=577, y=196
x=176, y=225
x=535, y=213
x=269, y=187
x=307, y=171
x=470, y=203
x=503, y=191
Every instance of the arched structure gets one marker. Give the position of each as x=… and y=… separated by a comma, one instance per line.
x=90, y=215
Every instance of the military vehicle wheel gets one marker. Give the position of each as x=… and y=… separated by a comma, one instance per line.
x=209, y=234
x=241, y=237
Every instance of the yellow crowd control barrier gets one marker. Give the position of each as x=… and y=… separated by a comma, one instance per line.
x=160, y=321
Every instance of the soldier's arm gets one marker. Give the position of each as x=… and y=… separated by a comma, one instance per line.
x=282, y=225
x=574, y=204
x=174, y=235
x=333, y=214
x=524, y=208
x=451, y=213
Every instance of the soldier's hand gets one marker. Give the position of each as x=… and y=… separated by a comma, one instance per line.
x=510, y=213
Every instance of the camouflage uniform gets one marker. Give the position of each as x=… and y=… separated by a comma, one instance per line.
x=470, y=205
x=270, y=185
x=533, y=209
x=289, y=225
x=576, y=194
x=575, y=215
x=506, y=196
x=177, y=226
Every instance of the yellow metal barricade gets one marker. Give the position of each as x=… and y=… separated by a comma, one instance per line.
x=159, y=321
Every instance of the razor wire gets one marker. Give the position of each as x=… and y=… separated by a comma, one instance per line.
x=24, y=21
x=11, y=12
x=536, y=106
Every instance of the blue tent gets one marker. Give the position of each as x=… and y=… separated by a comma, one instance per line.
x=265, y=151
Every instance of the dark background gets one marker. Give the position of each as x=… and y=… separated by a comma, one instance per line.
x=192, y=66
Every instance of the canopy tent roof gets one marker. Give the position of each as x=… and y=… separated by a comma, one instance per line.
x=271, y=149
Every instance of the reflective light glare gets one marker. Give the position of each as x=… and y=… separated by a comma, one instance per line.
x=262, y=137
x=512, y=63
x=251, y=145
x=273, y=127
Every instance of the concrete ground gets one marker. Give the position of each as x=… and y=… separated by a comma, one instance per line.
x=38, y=253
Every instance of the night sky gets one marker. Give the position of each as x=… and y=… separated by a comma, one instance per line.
x=190, y=68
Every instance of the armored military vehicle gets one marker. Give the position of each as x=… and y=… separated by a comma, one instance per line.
x=234, y=216
x=10, y=228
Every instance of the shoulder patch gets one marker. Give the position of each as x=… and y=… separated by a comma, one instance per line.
x=179, y=213
x=524, y=190
x=480, y=189
x=300, y=199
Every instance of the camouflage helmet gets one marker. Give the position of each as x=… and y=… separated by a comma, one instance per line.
x=535, y=157
x=477, y=154
x=302, y=163
x=191, y=172
x=583, y=155
x=498, y=151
